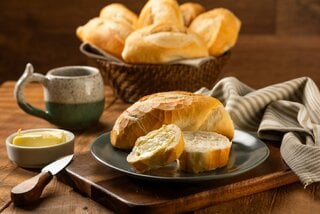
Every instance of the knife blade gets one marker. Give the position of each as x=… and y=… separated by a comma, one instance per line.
x=29, y=191
x=57, y=165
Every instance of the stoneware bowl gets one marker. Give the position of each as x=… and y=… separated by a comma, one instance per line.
x=37, y=157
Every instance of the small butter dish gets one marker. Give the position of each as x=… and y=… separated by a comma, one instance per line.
x=35, y=148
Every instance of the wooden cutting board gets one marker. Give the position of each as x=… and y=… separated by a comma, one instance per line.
x=123, y=193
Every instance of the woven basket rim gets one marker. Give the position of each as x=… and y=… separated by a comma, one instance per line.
x=93, y=52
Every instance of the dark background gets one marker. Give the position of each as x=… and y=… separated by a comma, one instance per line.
x=279, y=40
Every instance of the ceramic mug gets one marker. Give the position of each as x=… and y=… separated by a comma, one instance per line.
x=73, y=95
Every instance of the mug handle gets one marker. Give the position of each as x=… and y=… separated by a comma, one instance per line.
x=27, y=77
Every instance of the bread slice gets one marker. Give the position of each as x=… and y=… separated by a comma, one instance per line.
x=204, y=151
x=156, y=149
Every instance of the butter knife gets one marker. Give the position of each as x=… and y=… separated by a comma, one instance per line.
x=29, y=191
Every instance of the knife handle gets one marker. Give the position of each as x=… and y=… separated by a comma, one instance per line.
x=29, y=191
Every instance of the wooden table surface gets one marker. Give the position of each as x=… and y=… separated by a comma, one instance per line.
x=279, y=40
x=60, y=198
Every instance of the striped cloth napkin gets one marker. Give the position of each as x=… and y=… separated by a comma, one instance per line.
x=288, y=112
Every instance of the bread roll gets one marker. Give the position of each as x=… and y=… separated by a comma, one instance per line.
x=204, y=151
x=219, y=28
x=190, y=112
x=161, y=12
x=109, y=35
x=157, y=44
x=156, y=149
x=119, y=12
x=190, y=11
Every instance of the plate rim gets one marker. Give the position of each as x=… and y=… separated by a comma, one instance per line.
x=195, y=178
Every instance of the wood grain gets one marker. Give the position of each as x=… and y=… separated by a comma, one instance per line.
x=43, y=33
x=106, y=186
x=60, y=198
x=11, y=119
x=29, y=191
x=274, y=59
x=298, y=18
x=279, y=41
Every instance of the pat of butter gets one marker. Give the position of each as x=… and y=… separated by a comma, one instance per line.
x=39, y=138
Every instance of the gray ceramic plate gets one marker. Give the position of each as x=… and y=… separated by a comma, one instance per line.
x=247, y=152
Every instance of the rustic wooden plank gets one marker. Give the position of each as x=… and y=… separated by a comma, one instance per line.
x=48, y=29
x=11, y=119
x=263, y=60
x=267, y=58
x=43, y=33
x=265, y=202
x=300, y=17
x=39, y=16
x=59, y=198
x=249, y=204
x=257, y=17
x=288, y=199
x=306, y=198
x=105, y=185
x=49, y=40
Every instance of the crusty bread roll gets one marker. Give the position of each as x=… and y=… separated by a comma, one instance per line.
x=219, y=28
x=190, y=11
x=157, y=44
x=156, y=149
x=190, y=112
x=160, y=12
x=119, y=12
x=204, y=151
x=107, y=34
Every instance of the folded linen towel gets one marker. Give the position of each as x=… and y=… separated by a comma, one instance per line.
x=288, y=112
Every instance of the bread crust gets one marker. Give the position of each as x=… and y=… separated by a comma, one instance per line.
x=160, y=12
x=159, y=157
x=190, y=11
x=156, y=44
x=219, y=28
x=163, y=32
x=190, y=112
x=110, y=30
x=109, y=35
x=209, y=156
x=119, y=12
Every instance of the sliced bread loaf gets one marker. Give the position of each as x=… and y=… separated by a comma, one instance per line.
x=191, y=112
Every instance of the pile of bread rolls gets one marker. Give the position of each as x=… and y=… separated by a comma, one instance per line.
x=193, y=129
x=163, y=32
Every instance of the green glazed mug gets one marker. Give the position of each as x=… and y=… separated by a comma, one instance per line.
x=73, y=95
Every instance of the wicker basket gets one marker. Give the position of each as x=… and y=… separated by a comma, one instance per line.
x=130, y=82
